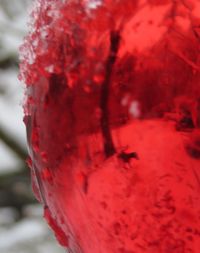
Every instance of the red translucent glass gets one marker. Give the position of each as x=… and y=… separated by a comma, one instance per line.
x=113, y=123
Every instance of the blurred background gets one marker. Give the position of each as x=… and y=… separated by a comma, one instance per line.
x=22, y=228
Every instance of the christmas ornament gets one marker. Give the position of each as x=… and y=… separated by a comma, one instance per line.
x=113, y=114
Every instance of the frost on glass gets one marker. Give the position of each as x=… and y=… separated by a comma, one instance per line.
x=113, y=115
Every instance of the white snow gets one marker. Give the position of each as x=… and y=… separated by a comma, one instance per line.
x=28, y=235
x=7, y=216
x=8, y=161
x=93, y=4
x=23, y=231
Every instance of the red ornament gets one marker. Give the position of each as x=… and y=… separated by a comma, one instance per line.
x=113, y=122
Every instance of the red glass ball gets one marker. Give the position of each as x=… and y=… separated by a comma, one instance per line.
x=113, y=123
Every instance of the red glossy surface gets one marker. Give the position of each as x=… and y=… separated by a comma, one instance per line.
x=113, y=114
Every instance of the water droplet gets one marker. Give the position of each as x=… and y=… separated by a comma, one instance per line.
x=117, y=228
x=44, y=156
x=35, y=139
x=53, y=223
x=46, y=175
x=104, y=205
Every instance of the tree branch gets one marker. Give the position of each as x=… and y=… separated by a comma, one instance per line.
x=109, y=147
x=13, y=144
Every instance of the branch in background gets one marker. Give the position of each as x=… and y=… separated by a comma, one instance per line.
x=8, y=60
x=13, y=144
x=15, y=186
x=15, y=190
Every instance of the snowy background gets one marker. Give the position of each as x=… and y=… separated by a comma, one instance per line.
x=22, y=229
